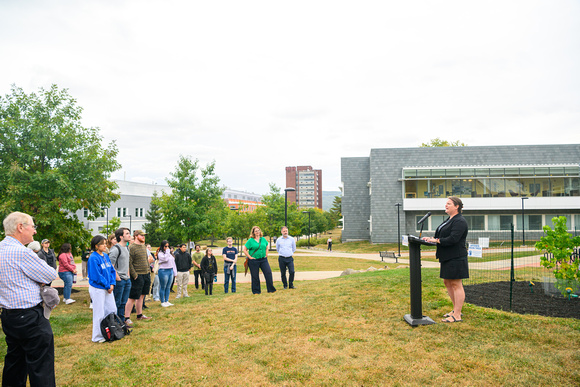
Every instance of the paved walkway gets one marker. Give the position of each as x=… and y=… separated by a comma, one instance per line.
x=318, y=275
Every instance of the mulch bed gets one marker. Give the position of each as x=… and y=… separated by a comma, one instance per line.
x=496, y=295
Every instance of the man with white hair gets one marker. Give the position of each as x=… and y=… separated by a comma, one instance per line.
x=28, y=333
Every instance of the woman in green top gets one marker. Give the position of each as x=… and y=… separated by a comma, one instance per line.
x=256, y=249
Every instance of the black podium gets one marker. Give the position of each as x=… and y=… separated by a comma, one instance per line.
x=416, y=317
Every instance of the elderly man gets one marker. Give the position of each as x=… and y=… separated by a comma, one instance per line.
x=29, y=335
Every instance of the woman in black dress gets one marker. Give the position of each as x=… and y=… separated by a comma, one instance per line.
x=450, y=237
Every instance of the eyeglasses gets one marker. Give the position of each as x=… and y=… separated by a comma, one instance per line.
x=33, y=225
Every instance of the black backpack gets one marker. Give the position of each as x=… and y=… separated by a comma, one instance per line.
x=113, y=328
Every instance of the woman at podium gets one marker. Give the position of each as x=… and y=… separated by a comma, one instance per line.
x=450, y=237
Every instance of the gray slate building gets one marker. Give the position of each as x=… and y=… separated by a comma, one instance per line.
x=494, y=182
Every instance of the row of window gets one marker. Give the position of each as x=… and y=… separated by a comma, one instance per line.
x=121, y=212
x=493, y=187
x=477, y=172
x=502, y=222
x=243, y=197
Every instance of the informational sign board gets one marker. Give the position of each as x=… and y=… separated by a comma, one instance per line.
x=484, y=243
x=405, y=240
x=475, y=250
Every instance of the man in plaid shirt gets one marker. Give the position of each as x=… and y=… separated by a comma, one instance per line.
x=29, y=335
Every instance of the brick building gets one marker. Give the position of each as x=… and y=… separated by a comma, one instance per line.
x=308, y=185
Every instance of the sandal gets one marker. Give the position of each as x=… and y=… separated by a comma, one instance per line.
x=446, y=320
x=450, y=313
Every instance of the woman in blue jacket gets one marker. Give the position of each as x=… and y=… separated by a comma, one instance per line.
x=102, y=280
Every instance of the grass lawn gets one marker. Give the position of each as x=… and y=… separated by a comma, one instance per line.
x=341, y=331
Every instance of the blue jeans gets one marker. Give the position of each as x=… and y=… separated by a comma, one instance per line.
x=255, y=265
x=165, y=281
x=155, y=290
x=67, y=278
x=230, y=274
x=121, y=292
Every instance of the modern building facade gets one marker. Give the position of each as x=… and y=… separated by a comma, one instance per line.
x=131, y=208
x=244, y=201
x=497, y=184
x=308, y=184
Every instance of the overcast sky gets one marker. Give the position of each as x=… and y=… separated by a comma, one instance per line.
x=261, y=85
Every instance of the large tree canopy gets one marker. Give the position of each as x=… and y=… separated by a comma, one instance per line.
x=195, y=205
x=50, y=165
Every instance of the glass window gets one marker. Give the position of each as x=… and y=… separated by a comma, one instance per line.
x=493, y=222
x=505, y=222
x=410, y=173
x=467, y=172
x=572, y=171
x=512, y=187
x=497, y=187
x=410, y=189
x=557, y=184
x=556, y=171
x=482, y=172
x=436, y=220
x=512, y=172
x=571, y=186
x=475, y=222
x=496, y=172
x=423, y=190
x=453, y=172
x=533, y=222
x=438, y=188
x=527, y=171
x=438, y=172
x=86, y=212
x=423, y=173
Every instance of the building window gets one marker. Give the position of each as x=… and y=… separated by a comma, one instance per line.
x=85, y=212
x=121, y=212
x=138, y=212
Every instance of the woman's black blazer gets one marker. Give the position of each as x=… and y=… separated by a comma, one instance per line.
x=452, y=238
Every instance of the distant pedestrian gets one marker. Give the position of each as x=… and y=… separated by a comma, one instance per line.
x=286, y=246
x=183, y=264
x=167, y=271
x=197, y=257
x=230, y=255
x=47, y=254
x=85, y=261
x=329, y=244
x=256, y=249
x=101, y=284
x=209, y=269
x=66, y=271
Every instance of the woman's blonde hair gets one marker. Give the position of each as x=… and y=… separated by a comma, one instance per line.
x=253, y=234
x=110, y=240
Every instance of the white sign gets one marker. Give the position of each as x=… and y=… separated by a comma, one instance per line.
x=484, y=243
x=475, y=251
x=405, y=240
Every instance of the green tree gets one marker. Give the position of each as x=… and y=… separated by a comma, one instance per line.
x=560, y=246
x=336, y=210
x=189, y=210
x=114, y=224
x=153, y=227
x=271, y=215
x=437, y=142
x=51, y=166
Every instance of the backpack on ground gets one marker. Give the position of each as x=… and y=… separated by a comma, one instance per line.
x=113, y=328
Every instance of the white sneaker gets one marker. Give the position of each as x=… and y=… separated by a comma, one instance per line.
x=101, y=341
x=69, y=301
x=91, y=306
x=187, y=295
x=165, y=304
x=177, y=297
x=169, y=303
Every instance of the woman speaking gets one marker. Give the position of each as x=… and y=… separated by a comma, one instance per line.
x=450, y=237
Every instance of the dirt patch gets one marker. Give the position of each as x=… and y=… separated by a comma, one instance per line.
x=496, y=295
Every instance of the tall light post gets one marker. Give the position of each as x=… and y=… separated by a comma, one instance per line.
x=523, y=223
x=103, y=208
x=398, y=205
x=286, y=190
x=309, y=213
x=130, y=223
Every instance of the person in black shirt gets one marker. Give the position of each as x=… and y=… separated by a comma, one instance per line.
x=209, y=270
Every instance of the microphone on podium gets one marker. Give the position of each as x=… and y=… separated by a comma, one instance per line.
x=424, y=218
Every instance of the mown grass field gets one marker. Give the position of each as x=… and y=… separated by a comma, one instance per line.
x=341, y=331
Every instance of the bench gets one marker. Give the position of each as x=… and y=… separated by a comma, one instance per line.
x=388, y=254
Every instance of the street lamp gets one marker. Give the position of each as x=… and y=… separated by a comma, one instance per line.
x=286, y=190
x=523, y=223
x=103, y=209
x=398, y=205
x=309, y=213
x=130, y=223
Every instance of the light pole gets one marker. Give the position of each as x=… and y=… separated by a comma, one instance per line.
x=523, y=223
x=130, y=223
x=309, y=213
x=398, y=205
x=286, y=190
x=103, y=208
